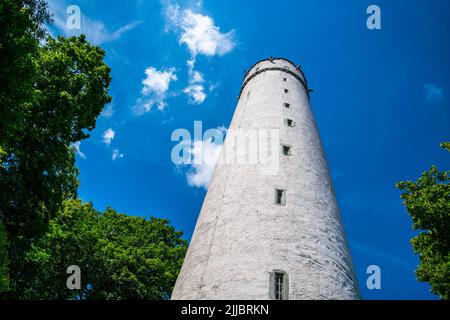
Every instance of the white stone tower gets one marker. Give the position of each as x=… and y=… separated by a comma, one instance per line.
x=271, y=236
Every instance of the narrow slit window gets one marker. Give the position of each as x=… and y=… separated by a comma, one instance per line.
x=287, y=105
x=285, y=79
x=280, y=197
x=279, y=286
x=286, y=90
x=286, y=150
x=290, y=123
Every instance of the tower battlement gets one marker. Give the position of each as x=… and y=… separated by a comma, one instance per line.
x=275, y=64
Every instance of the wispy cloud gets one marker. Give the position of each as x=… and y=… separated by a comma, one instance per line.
x=76, y=146
x=108, y=136
x=201, y=36
x=433, y=93
x=155, y=89
x=107, y=111
x=116, y=154
x=196, y=90
x=96, y=31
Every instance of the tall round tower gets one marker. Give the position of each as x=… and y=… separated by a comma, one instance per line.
x=270, y=233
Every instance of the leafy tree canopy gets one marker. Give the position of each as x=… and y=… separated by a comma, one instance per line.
x=4, y=283
x=51, y=92
x=120, y=257
x=428, y=203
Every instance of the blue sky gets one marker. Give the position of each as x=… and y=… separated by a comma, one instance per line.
x=381, y=101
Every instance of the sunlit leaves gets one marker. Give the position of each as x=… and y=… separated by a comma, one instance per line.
x=428, y=203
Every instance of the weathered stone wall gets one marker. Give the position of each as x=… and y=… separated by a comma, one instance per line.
x=242, y=236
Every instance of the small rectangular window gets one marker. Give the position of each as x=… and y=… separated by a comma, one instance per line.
x=290, y=122
x=284, y=79
x=280, y=197
x=286, y=150
x=279, y=286
x=286, y=90
x=287, y=105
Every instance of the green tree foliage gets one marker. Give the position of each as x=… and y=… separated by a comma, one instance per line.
x=3, y=259
x=51, y=95
x=20, y=31
x=38, y=168
x=51, y=92
x=120, y=257
x=21, y=28
x=428, y=202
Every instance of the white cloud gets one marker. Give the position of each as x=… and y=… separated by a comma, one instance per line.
x=197, y=77
x=95, y=31
x=433, y=93
x=157, y=81
x=116, y=154
x=76, y=145
x=196, y=93
x=213, y=86
x=108, y=111
x=155, y=89
x=201, y=36
x=199, y=32
x=205, y=154
x=108, y=136
x=196, y=90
